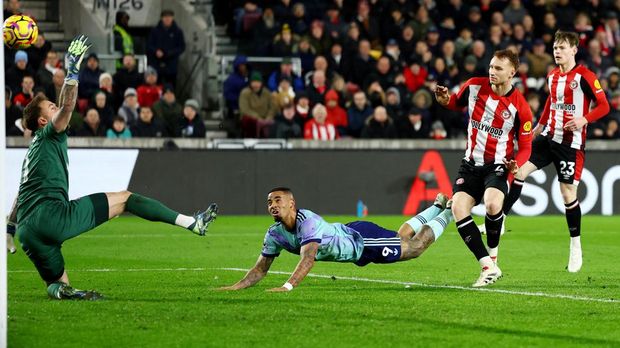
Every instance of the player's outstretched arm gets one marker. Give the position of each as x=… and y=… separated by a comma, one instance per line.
x=258, y=272
x=68, y=93
x=308, y=255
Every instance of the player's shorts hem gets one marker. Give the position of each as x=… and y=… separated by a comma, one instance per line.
x=101, y=207
x=310, y=241
x=270, y=255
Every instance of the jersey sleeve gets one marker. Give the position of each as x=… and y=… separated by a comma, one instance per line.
x=271, y=248
x=592, y=88
x=310, y=231
x=524, y=133
x=461, y=99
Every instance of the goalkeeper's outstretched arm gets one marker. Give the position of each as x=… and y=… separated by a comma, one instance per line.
x=68, y=93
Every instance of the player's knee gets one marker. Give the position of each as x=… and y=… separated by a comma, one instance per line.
x=459, y=211
x=493, y=207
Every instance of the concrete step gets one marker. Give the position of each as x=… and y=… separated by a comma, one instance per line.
x=220, y=30
x=28, y=4
x=46, y=26
x=54, y=35
x=38, y=14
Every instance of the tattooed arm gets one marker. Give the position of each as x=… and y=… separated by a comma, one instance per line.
x=258, y=272
x=66, y=101
x=308, y=254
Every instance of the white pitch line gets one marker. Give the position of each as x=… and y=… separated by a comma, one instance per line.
x=368, y=280
x=456, y=287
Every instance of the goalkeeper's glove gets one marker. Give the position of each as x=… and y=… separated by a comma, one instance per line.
x=74, y=56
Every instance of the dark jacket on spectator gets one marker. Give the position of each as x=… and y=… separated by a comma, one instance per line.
x=356, y=119
x=14, y=77
x=89, y=82
x=171, y=42
x=234, y=84
x=124, y=79
x=376, y=130
x=86, y=131
x=286, y=129
x=170, y=115
x=150, y=130
x=193, y=129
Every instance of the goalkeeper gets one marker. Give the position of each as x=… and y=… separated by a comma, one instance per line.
x=44, y=214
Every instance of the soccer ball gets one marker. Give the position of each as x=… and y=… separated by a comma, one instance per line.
x=19, y=32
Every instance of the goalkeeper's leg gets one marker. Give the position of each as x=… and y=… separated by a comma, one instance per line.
x=153, y=210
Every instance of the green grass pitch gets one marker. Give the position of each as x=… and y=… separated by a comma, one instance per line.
x=158, y=281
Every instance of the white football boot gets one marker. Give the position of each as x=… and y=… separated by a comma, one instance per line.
x=489, y=275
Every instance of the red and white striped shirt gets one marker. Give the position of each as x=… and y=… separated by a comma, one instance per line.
x=494, y=123
x=316, y=131
x=572, y=95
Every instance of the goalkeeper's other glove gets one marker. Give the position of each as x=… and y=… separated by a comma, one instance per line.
x=74, y=56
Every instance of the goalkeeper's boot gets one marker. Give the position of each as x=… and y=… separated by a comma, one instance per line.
x=67, y=292
x=574, y=259
x=489, y=275
x=10, y=243
x=204, y=219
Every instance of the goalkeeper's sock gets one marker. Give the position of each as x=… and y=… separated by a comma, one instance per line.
x=424, y=217
x=573, y=218
x=150, y=209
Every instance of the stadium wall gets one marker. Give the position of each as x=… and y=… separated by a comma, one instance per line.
x=328, y=181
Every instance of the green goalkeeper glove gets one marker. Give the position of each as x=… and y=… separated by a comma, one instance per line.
x=75, y=54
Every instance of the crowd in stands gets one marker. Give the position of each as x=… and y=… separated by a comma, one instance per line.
x=122, y=104
x=369, y=66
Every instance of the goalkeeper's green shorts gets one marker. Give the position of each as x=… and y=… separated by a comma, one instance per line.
x=52, y=222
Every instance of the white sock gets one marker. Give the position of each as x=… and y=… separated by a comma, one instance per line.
x=486, y=262
x=493, y=253
x=184, y=220
x=575, y=242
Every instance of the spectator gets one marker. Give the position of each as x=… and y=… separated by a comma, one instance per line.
x=538, y=60
x=407, y=43
x=421, y=23
x=335, y=114
x=565, y=14
x=263, y=33
x=533, y=100
x=105, y=86
x=234, y=84
x=150, y=91
x=357, y=114
x=92, y=126
x=393, y=104
x=298, y=23
x=169, y=111
x=283, y=11
x=351, y=42
x=379, y=125
x=302, y=107
x=415, y=76
x=316, y=91
x=256, y=107
x=306, y=53
x=123, y=42
x=392, y=51
x=611, y=28
x=13, y=114
x=475, y=24
x=362, y=65
x=45, y=74
x=368, y=25
x=192, y=125
x=119, y=129
x=320, y=63
x=104, y=109
x=414, y=125
x=596, y=61
x=165, y=44
x=129, y=110
x=469, y=68
x=318, y=127
x=15, y=74
x=287, y=124
x=382, y=74
x=126, y=77
x=25, y=95
x=334, y=25
x=284, y=95
x=285, y=42
x=286, y=71
x=463, y=42
x=514, y=12
x=13, y=7
x=335, y=60
x=89, y=77
x=53, y=91
x=394, y=24
x=319, y=40
x=147, y=125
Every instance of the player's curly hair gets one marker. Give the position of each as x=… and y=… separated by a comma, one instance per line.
x=32, y=112
x=510, y=55
x=568, y=36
